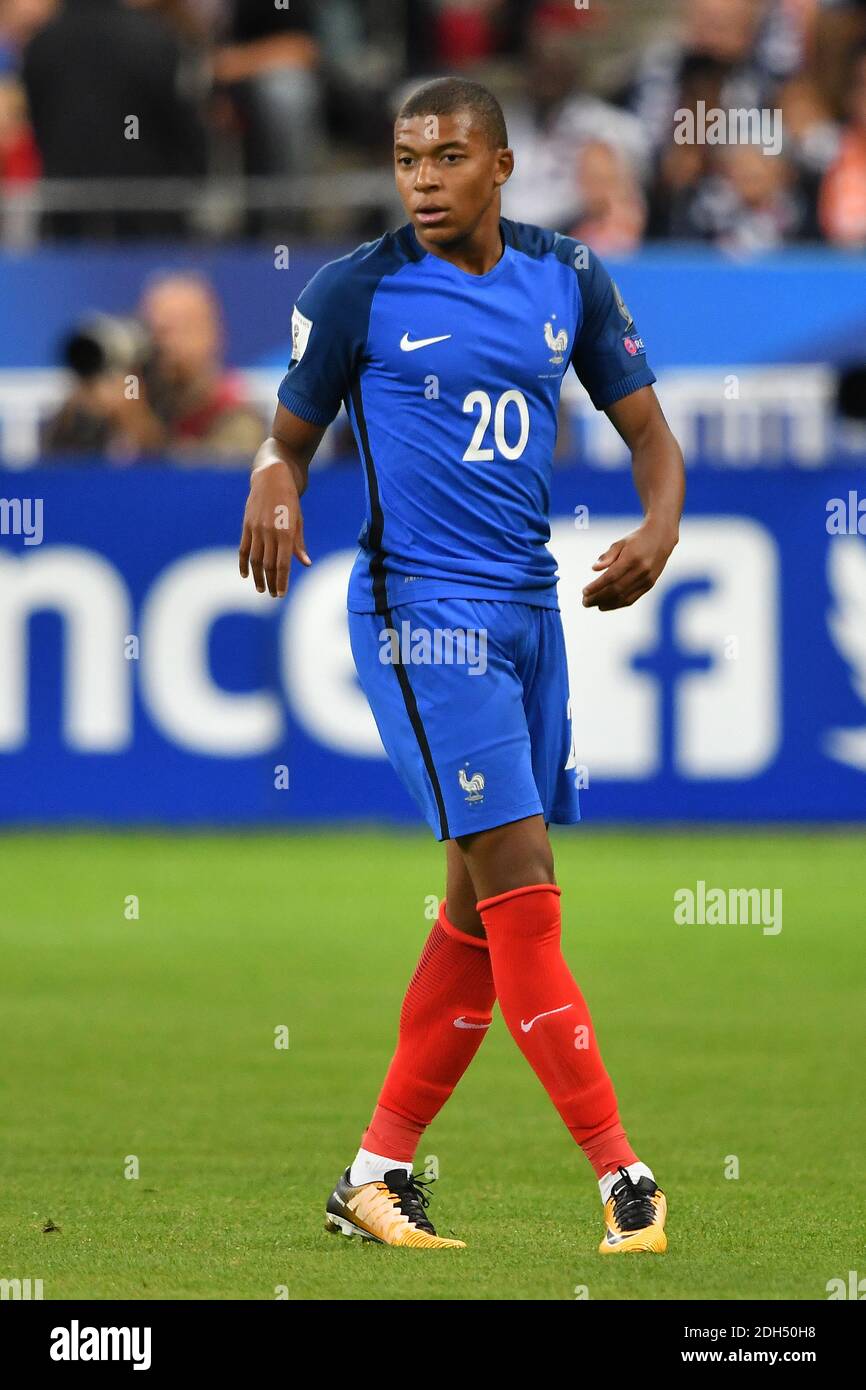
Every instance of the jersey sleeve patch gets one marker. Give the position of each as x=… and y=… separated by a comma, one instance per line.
x=301, y=327
x=326, y=334
x=609, y=354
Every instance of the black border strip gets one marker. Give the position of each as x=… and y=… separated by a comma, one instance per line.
x=380, y=598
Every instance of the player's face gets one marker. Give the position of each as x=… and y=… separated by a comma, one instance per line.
x=447, y=174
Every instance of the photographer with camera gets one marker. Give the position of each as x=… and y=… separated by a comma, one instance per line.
x=106, y=415
x=156, y=385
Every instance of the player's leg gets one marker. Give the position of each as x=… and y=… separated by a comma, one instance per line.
x=548, y=1017
x=543, y=1007
x=447, y=1007
x=519, y=902
x=460, y=893
x=445, y=1014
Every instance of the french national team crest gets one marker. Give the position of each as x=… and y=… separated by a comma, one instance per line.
x=557, y=342
x=473, y=786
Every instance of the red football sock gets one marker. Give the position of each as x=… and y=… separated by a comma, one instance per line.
x=446, y=1013
x=548, y=1018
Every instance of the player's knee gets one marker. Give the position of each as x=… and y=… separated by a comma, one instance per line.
x=473, y=926
x=532, y=861
x=503, y=862
x=508, y=875
x=532, y=868
x=460, y=913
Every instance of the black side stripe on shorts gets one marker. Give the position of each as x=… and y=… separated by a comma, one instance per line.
x=378, y=578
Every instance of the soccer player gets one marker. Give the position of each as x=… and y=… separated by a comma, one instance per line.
x=448, y=341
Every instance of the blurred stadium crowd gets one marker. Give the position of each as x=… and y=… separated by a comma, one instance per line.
x=290, y=89
x=214, y=121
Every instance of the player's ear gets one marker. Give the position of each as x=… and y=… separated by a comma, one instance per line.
x=504, y=166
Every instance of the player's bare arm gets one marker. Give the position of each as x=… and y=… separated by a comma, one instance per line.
x=273, y=529
x=633, y=564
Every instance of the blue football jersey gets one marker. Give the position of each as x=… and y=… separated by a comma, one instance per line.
x=451, y=382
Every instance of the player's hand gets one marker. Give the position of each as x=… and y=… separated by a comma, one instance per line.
x=631, y=567
x=273, y=529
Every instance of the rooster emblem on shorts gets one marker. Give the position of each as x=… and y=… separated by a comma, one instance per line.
x=557, y=342
x=473, y=786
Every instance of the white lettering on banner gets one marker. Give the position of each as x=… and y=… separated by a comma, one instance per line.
x=655, y=687
x=183, y=700
x=724, y=715
x=613, y=709
x=846, y=573
x=316, y=660
x=92, y=600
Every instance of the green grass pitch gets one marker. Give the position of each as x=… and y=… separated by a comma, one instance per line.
x=154, y=1038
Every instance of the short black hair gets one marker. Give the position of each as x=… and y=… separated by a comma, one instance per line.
x=445, y=96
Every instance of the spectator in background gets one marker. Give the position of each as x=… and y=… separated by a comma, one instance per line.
x=105, y=416
x=466, y=31
x=838, y=29
x=91, y=68
x=19, y=21
x=752, y=203
x=447, y=35
x=19, y=157
x=811, y=134
x=156, y=386
x=842, y=204
x=268, y=63
x=194, y=21
x=683, y=169
x=614, y=211
x=728, y=34
x=555, y=118
x=204, y=409
x=738, y=198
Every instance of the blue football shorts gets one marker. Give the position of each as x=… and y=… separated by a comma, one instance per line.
x=472, y=703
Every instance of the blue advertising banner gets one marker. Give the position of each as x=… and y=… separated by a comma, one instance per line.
x=695, y=307
x=142, y=682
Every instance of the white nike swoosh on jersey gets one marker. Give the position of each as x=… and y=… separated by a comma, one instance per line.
x=526, y=1026
x=461, y=1023
x=408, y=345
